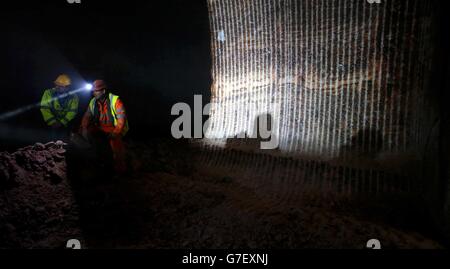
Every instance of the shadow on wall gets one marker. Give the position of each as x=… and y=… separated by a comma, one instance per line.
x=262, y=135
x=367, y=143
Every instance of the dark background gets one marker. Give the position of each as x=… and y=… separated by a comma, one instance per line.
x=151, y=53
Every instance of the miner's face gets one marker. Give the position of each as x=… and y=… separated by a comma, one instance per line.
x=98, y=94
x=61, y=89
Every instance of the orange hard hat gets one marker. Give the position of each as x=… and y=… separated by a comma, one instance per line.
x=99, y=85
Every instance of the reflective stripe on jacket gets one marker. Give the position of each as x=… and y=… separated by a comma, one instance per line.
x=115, y=113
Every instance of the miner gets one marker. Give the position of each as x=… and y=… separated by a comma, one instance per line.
x=106, y=118
x=59, y=107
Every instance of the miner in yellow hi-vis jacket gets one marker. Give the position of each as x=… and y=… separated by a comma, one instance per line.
x=58, y=106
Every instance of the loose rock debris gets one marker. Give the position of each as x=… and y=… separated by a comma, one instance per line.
x=168, y=201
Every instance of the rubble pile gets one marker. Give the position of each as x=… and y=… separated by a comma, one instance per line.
x=37, y=207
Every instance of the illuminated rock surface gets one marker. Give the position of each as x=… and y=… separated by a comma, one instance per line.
x=345, y=81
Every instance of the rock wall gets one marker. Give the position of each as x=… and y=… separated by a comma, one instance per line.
x=342, y=73
x=344, y=82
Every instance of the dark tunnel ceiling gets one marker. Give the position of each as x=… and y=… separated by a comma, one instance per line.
x=161, y=47
x=99, y=26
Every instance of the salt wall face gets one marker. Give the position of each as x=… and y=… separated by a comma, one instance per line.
x=335, y=76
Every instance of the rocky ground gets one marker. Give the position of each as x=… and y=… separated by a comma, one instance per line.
x=48, y=195
x=37, y=205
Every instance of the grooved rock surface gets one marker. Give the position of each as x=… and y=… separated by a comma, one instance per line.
x=327, y=72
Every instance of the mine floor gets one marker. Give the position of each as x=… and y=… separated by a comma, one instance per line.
x=170, y=201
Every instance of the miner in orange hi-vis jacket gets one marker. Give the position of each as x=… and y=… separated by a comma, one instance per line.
x=106, y=114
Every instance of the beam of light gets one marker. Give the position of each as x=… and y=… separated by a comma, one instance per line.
x=14, y=113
